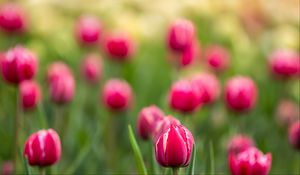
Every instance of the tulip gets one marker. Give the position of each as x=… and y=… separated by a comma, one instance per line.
x=18, y=64
x=12, y=18
x=180, y=35
x=117, y=94
x=285, y=63
x=147, y=119
x=250, y=162
x=92, y=69
x=240, y=93
x=294, y=135
x=174, y=147
x=30, y=94
x=217, y=58
x=184, y=96
x=208, y=85
x=162, y=126
x=88, y=30
x=239, y=143
x=287, y=112
x=7, y=168
x=43, y=148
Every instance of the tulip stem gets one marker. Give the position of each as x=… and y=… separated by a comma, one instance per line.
x=212, y=158
x=42, y=171
x=175, y=171
x=17, y=129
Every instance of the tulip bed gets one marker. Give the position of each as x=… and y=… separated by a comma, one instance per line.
x=195, y=97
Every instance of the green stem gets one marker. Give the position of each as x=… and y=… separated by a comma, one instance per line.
x=212, y=158
x=175, y=171
x=17, y=130
x=42, y=171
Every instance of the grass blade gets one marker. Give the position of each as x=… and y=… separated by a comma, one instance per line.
x=191, y=170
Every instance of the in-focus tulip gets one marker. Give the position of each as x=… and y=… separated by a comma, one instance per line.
x=12, y=18
x=208, y=86
x=285, y=63
x=30, y=94
x=239, y=143
x=18, y=64
x=217, y=57
x=92, y=68
x=147, y=119
x=61, y=83
x=7, y=168
x=184, y=96
x=287, y=112
x=174, y=147
x=180, y=35
x=162, y=126
x=43, y=148
x=88, y=30
x=294, y=135
x=240, y=93
x=250, y=162
x=117, y=94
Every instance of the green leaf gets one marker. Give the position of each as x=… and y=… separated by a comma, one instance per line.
x=151, y=154
x=191, y=170
x=27, y=168
x=137, y=153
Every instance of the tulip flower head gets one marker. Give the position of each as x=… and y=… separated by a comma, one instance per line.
x=217, y=58
x=287, y=112
x=239, y=143
x=92, y=69
x=163, y=125
x=12, y=18
x=294, y=135
x=88, y=30
x=30, y=94
x=7, y=168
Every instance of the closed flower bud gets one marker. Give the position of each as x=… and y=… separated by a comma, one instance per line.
x=117, y=94
x=162, y=126
x=287, y=112
x=217, y=58
x=294, y=135
x=7, y=168
x=239, y=143
x=88, y=30
x=92, y=68
x=18, y=64
x=43, y=148
x=30, y=94
x=250, y=162
x=12, y=18
x=147, y=119
x=240, y=93
x=174, y=147
x=189, y=54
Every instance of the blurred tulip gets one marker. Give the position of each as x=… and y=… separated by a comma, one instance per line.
x=61, y=83
x=43, y=148
x=92, y=68
x=147, y=119
x=294, y=135
x=7, y=168
x=285, y=63
x=208, y=86
x=240, y=93
x=88, y=30
x=250, y=162
x=30, y=94
x=287, y=112
x=184, y=96
x=174, y=147
x=117, y=94
x=162, y=126
x=18, y=64
x=239, y=143
x=217, y=57
x=12, y=18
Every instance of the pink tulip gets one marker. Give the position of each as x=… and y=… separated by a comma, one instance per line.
x=294, y=135
x=174, y=147
x=250, y=162
x=12, y=18
x=239, y=143
x=18, y=64
x=88, y=30
x=92, y=68
x=240, y=93
x=43, y=148
x=30, y=94
x=287, y=112
x=7, y=168
x=162, y=126
x=217, y=57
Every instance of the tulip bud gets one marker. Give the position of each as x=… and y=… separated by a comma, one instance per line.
x=239, y=143
x=43, y=148
x=7, y=168
x=117, y=94
x=88, y=30
x=30, y=94
x=147, y=119
x=18, y=64
x=92, y=69
x=250, y=162
x=217, y=57
x=240, y=93
x=287, y=112
x=162, y=126
x=174, y=147
x=12, y=18
x=180, y=35
x=208, y=86
x=184, y=96
x=294, y=135
x=285, y=63
x=61, y=83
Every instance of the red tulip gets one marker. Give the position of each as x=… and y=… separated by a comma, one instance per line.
x=18, y=64
x=7, y=168
x=208, y=85
x=240, y=93
x=285, y=63
x=184, y=96
x=147, y=119
x=88, y=30
x=287, y=112
x=250, y=162
x=43, y=148
x=30, y=94
x=180, y=35
x=217, y=57
x=117, y=94
x=294, y=135
x=174, y=147
x=92, y=68
x=239, y=143
x=162, y=126
x=12, y=18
